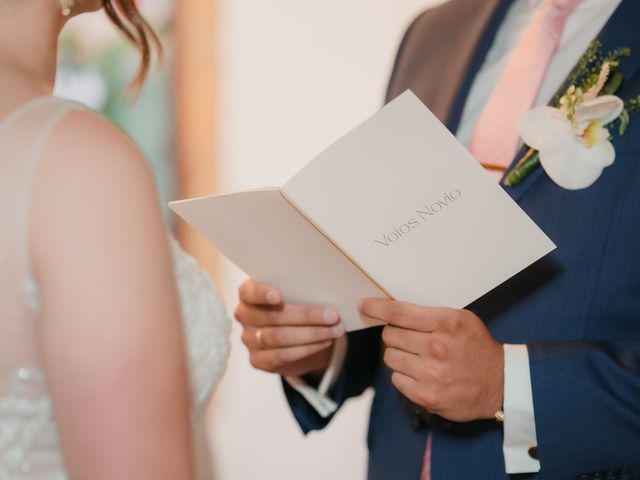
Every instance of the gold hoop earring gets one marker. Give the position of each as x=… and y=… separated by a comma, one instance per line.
x=66, y=7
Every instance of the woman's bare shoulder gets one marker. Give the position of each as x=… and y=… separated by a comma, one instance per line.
x=85, y=141
x=93, y=180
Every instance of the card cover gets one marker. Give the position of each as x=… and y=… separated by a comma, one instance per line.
x=396, y=208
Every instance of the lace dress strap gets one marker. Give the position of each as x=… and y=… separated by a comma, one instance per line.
x=28, y=442
x=23, y=137
x=35, y=120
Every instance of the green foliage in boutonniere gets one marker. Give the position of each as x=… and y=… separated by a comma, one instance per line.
x=572, y=138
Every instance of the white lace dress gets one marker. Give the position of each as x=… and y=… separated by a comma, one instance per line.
x=29, y=447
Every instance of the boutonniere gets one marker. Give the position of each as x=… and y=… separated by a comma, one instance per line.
x=572, y=140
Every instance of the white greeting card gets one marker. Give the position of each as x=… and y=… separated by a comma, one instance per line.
x=397, y=207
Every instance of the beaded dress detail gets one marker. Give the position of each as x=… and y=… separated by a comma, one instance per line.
x=29, y=445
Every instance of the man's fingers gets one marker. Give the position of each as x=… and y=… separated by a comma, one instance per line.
x=402, y=362
x=408, y=340
x=300, y=315
x=407, y=386
x=405, y=315
x=259, y=293
x=275, y=359
x=282, y=337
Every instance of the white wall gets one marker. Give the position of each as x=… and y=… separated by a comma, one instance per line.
x=296, y=75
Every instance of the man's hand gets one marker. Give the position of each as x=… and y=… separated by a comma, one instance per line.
x=442, y=359
x=283, y=338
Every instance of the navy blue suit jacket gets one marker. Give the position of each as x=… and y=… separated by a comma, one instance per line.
x=578, y=309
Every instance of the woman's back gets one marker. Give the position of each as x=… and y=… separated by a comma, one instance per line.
x=55, y=344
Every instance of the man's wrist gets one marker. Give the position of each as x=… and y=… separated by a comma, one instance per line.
x=314, y=376
x=317, y=394
x=497, y=376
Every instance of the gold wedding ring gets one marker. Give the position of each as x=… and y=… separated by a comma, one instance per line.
x=259, y=339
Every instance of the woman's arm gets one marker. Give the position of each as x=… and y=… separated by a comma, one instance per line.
x=110, y=333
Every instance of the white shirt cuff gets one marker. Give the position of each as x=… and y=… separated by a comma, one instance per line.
x=319, y=398
x=519, y=417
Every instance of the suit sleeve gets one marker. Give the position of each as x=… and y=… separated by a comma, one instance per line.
x=357, y=374
x=587, y=406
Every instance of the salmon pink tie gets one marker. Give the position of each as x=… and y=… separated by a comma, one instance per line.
x=426, y=463
x=495, y=139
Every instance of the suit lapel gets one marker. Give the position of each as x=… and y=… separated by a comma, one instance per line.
x=440, y=72
x=480, y=42
x=620, y=31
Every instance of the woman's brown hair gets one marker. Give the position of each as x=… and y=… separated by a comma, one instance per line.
x=126, y=16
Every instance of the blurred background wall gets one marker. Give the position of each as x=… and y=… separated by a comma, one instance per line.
x=294, y=77
x=249, y=92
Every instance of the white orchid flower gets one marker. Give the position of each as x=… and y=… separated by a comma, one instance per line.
x=573, y=152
